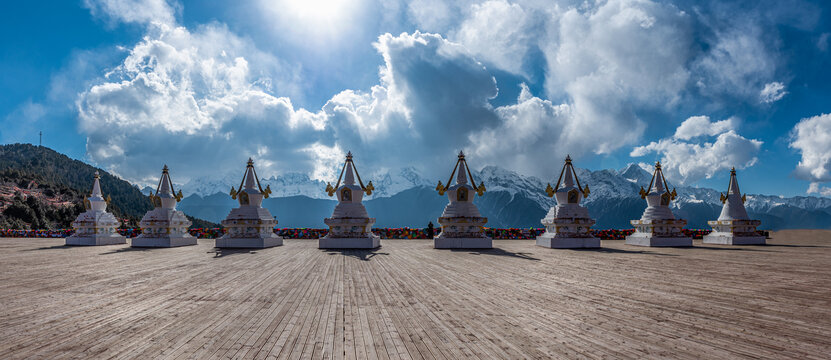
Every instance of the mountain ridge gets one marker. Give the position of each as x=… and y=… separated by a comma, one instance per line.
x=514, y=200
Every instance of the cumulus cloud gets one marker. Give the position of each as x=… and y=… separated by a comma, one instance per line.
x=772, y=92
x=687, y=162
x=530, y=127
x=626, y=49
x=195, y=98
x=207, y=91
x=696, y=126
x=812, y=137
x=188, y=98
x=497, y=32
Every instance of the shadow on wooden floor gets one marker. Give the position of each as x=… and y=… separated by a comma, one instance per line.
x=498, y=252
x=52, y=247
x=127, y=249
x=360, y=254
x=621, y=251
x=218, y=252
x=730, y=247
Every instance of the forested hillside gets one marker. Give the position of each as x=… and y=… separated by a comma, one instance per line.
x=42, y=189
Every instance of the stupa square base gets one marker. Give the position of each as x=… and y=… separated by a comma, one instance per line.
x=462, y=243
x=248, y=243
x=647, y=239
x=172, y=241
x=554, y=242
x=721, y=238
x=349, y=243
x=96, y=240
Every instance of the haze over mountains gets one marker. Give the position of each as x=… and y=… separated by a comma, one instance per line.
x=405, y=198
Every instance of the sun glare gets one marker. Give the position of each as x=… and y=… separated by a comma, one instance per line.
x=321, y=17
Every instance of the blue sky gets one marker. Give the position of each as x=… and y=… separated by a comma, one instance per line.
x=703, y=86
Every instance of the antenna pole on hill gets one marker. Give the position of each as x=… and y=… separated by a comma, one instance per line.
x=40, y=140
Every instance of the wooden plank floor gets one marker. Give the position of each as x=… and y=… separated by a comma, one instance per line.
x=409, y=301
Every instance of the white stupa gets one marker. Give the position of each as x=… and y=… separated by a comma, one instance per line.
x=250, y=225
x=461, y=223
x=350, y=226
x=567, y=224
x=95, y=226
x=733, y=226
x=164, y=226
x=657, y=226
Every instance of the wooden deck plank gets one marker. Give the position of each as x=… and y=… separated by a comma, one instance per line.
x=409, y=301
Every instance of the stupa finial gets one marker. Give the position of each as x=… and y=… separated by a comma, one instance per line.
x=349, y=177
x=96, y=186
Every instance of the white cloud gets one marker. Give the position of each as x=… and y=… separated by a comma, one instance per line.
x=696, y=126
x=812, y=137
x=815, y=188
x=531, y=127
x=208, y=91
x=187, y=99
x=432, y=15
x=772, y=92
x=624, y=49
x=133, y=11
x=687, y=162
x=497, y=32
x=738, y=62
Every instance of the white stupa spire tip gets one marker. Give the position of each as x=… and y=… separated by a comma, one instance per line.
x=349, y=179
x=461, y=177
x=96, y=186
x=250, y=182
x=659, y=178
x=734, y=183
x=165, y=187
x=569, y=179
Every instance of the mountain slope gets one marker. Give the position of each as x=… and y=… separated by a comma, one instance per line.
x=62, y=183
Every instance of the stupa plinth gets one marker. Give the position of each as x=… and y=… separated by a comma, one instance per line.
x=95, y=226
x=657, y=226
x=568, y=225
x=164, y=226
x=733, y=226
x=461, y=223
x=350, y=226
x=250, y=225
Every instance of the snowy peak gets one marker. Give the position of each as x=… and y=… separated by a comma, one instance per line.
x=389, y=183
x=604, y=184
x=635, y=174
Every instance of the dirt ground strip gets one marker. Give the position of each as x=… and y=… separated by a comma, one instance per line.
x=407, y=300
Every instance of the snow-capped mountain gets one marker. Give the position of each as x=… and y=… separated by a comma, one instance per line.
x=403, y=197
x=387, y=183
